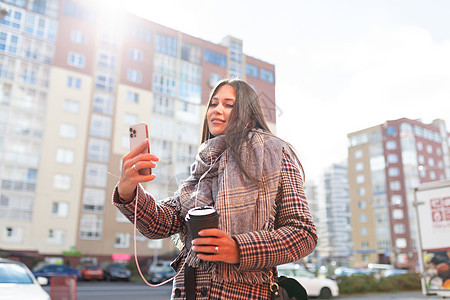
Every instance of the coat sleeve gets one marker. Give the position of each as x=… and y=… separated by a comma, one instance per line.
x=294, y=235
x=155, y=221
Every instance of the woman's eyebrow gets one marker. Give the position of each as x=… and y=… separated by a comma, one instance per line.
x=226, y=99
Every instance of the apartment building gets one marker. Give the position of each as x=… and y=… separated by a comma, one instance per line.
x=333, y=224
x=72, y=80
x=385, y=163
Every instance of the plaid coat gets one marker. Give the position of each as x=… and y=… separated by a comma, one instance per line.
x=294, y=236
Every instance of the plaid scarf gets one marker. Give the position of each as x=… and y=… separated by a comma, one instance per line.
x=216, y=180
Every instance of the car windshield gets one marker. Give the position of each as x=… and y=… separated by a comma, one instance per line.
x=14, y=273
x=117, y=266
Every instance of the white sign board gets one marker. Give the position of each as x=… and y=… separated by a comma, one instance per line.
x=434, y=217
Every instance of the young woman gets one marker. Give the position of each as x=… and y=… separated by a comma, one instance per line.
x=252, y=178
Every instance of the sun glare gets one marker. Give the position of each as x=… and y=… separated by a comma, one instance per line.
x=110, y=12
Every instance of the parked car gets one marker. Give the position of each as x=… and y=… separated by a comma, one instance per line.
x=115, y=271
x=17, y=282
x=51, y=270
x=315, y=286
x=160, y=271
x=89, y=272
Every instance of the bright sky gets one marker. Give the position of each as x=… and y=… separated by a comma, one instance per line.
x=341, y=66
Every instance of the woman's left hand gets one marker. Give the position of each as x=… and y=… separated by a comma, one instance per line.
x=221, y=246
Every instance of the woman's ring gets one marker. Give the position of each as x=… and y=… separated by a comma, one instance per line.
x=134, y=168
x=216, y=250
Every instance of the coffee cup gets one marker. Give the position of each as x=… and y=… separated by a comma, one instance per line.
x=199, y=218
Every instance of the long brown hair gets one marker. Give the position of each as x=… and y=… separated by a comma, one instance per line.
x=247, y=114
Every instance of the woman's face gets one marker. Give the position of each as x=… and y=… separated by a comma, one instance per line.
x=219, y=109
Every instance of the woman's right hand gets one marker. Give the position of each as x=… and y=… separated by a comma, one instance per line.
x=130, y=177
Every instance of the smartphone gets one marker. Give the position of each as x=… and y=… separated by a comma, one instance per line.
x=138, y=134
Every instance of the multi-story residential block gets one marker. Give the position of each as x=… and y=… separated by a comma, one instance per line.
x=385, y=163
x=333, y=225
x=72, y=80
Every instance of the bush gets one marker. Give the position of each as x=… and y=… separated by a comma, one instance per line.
x=360, y=283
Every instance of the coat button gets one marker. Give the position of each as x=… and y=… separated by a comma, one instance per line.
x=204, y=291
x=177, y=292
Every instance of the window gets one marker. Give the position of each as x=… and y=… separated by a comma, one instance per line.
x=122, y=240
x=267, y=75
x=75, y=60
x=190, y=72
x=396, y=199
x=164, y=85
x=358, y=140
x=391, y=131
x=77, y=37
x=362, y=204
x=132, y=97
x=94, y=200
x=429, y=149
x=165, y=64
x=41, y=27
x=392, y=158
x=56, y=236
x=163, y=105
x=359, y=166
x=364, y=245
x=96, y=174
x=361, y=191
x=395, y=185
x=251, y=70
x=363, y=231
x=391, y=145
x=106, y=59
x=166, y=44
x=400, y=243
x=74, y=83
x=104, y=81
x=189, y=92
x=393, y=172
x=363, y=218
x=235, y=70
x=12, y=234
x=60, y=209
x=360, y=178
x=91, y=227
x=65, y=156
x=98, y=150
x=136, y=54
x=134, y=76
x=68, y=131
x=62, y=182
x=358, y=154
x=71, y=106
x=101, y=126
x=103, y=103
x=397, y=214
x=419, y=146
x=191, y=53
x=13, y=19
x=215, y=58
x=236, y=52
x=399, y=228
x=9, y=42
